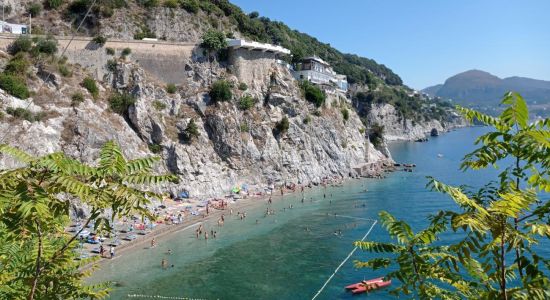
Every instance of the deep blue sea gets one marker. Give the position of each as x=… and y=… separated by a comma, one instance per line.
x=291, y=254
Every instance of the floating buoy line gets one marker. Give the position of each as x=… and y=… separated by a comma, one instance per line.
x=162, y=297
x=344, y=261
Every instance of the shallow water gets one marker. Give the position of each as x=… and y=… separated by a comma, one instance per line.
x=291, y=254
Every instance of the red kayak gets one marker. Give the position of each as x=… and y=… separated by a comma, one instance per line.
x=368, y=285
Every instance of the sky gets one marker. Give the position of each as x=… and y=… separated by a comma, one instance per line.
x=427, y=41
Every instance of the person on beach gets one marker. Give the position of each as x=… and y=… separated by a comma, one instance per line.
x=197, y=233
x=231, y=211
x=164, y=263
x=101, y=250
x=169, y=251
x=215, y=233
x=153, y=243
x=206, y=235
x=112, y=251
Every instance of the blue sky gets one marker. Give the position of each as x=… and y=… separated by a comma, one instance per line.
x=427, y=41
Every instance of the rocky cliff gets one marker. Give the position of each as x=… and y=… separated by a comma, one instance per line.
x=398, y=128
x=233, y=147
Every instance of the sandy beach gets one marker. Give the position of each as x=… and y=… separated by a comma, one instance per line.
x=173, y=208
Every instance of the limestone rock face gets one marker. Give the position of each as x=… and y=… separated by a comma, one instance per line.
x=233, y=146
x=398, y=128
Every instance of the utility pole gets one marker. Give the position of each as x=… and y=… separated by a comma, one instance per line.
x=30, y=23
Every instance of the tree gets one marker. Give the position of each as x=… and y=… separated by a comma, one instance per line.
x=192, y=130
x=191, y=6
x=496, y=225
x=376, y=134
x=37, y=256
x=213, y=41
x=34, y=9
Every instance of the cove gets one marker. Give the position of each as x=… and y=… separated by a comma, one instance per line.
x=291, y=254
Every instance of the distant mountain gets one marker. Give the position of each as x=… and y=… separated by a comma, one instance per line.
x=479, y=88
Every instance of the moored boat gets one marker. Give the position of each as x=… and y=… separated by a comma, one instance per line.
x=368, y=285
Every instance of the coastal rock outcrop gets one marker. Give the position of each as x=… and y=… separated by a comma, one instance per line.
x=233, y=147
x=398, y=128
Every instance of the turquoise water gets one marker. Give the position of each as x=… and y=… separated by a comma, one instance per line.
x=291, y=254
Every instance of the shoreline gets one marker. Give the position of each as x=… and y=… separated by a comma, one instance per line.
x=192, y=221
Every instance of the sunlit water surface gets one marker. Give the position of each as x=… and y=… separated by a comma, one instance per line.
x=291, y=254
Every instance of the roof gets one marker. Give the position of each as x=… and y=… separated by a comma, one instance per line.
x=317, y=59
x=251, y=45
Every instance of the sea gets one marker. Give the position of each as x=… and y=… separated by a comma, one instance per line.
x=292, y=254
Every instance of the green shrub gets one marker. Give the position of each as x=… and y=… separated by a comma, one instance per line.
x=171, y=88
x=192, y=130
x=46, y=46
x=18, y=65
x=282, y=126
x=220, y=91
x=155, y=148
x=213, y=40
x=14, y=86
x=34, y=9
x=110, y=51
x=191, y=6
x=149, y=3
x=100, y=40
x=312, y=93
x=25, y=114
x=244, y=127
x=120, y=103
x=126, y=52
x=159, y=105
x=376, y=134
x=307, y=119
x=6, y=8
x=246, y=102
x=77, y=98
x=21, y=44
x=90, y=84
x=171, y=3
x=65, y=71
x=362, y=130
x=53, y=4
x=345, y=113
x=243, y=86
x=62, y=59
x=111, y=65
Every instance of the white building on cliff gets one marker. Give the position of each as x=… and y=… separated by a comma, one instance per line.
x=319, y=72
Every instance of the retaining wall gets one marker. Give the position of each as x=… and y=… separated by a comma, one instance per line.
x=164, y=60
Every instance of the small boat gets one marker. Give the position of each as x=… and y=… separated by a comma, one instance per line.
x=368, y=285
x=440, y=155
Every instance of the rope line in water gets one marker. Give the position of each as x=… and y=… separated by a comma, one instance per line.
x=162, y=297
x=343, y=262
